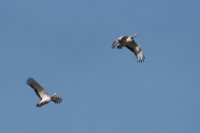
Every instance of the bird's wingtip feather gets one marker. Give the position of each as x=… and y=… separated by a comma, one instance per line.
x=29, y=80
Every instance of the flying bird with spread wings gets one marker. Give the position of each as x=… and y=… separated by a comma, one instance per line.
x=129, y=42
x=42, y=94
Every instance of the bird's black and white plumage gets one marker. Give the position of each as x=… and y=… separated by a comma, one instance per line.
x=129, y=42
x=42, y=94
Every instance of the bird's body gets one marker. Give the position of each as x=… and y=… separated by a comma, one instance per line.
x=129, y=42
x=42, y=94
x=45, y=100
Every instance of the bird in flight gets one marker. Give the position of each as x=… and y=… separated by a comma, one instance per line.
x=42, y=94
x=129, y=42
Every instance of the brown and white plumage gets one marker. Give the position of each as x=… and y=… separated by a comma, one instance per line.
x=42, y=94
x=129, y=42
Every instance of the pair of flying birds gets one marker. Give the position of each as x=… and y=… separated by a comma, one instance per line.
x=123, y=41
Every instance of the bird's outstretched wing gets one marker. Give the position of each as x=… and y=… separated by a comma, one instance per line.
x=39, y=90
x=136, y=49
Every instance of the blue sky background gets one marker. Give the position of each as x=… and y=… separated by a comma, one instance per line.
x=66, y=46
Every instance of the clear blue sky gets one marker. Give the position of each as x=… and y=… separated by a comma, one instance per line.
x=66, y=46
